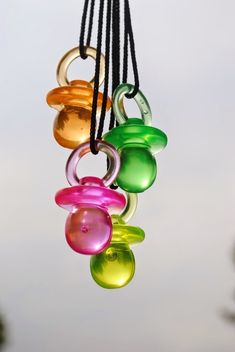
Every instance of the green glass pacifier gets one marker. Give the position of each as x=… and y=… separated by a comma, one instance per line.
x=136, y=141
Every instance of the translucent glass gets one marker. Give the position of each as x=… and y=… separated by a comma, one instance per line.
x=88, y=227
x=136, y=144
x=73, y=54
x=88, y=230
x=138, y=168
x=115, y=267
x=136, y=140
x=74, y=103
x=83, y=149
x=71, y=198
x=72, y=127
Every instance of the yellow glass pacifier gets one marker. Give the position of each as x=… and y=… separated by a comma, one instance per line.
x=115, y=266
x=73, y=101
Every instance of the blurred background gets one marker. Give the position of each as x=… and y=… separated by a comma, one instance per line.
x=182, y=295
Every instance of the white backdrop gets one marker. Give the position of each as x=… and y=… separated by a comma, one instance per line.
x=184, y=276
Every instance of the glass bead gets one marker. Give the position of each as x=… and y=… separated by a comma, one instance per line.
x=72, y=127
x=113, y=268
x=138, y=170
x=74, y=104
x=137, y=144
x=88, y=230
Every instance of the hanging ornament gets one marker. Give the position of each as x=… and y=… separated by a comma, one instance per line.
x=115, y=266
x=97, y=223
x=137, y=142
x=73, y=101
x=88, y=228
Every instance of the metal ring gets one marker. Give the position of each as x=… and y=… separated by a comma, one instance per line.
x=77, y=154
x=69, y=57
x=131, y=205
x=140, y=99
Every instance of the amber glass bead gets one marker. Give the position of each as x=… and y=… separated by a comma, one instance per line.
x=74, y=103
x=72, y=126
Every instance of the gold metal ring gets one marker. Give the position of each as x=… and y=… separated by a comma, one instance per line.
x=69, y=57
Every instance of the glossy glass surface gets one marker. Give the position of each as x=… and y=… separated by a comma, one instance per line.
x=130, y=208
x=83, y=149
x=125, y=233
x=78, y=93
x=140, y=99
x=90, y=193
x=74, y=103
x=134, y=131
x=115, y=267
x=88, y=227
x=72, y=127
x=73, y=54
x=136, y=144
x=138, y=169
x=88, y=230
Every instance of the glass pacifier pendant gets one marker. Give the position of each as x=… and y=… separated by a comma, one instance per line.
x=73, y=100
x=136, y=141
x=115, y=266
x=88, y=228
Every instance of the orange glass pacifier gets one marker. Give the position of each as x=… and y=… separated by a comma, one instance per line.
x=73, y=101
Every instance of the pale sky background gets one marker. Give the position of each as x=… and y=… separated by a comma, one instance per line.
x=184, y=276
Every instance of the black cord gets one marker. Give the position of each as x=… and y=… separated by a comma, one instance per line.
x=82, y=30
x=90, y=26
x=115, y=59
x=112, y=16
x=96, y=79
x=115, y=53
x=128, y=33
x=125, y=47
x=107, y=65
x=83, y=27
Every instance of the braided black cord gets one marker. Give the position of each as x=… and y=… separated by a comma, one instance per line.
x=83, y=27
x=82, y=30
x=128, y=28
x=112, y=14
x=115, y=53
x=96, y=78
x=125, y=47
x=107, y=65
x=90, y=26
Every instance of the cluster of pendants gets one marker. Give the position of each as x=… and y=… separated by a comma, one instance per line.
x=90, y=228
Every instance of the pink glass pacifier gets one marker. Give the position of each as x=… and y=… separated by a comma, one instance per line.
x=88, y=228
